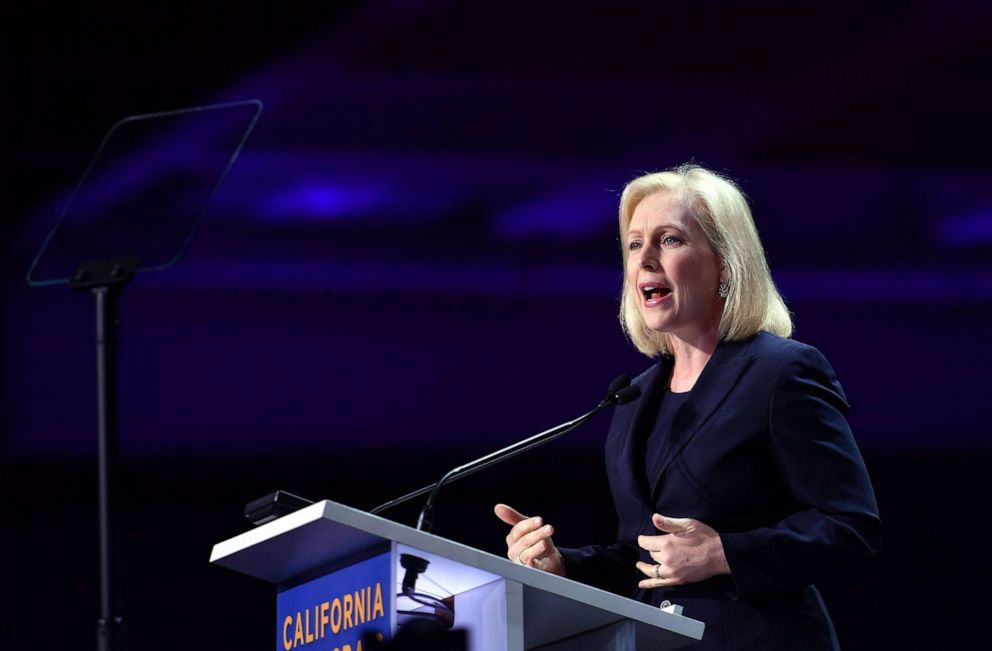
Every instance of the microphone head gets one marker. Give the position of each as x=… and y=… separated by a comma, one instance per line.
x=629, y=393
x=618, y=383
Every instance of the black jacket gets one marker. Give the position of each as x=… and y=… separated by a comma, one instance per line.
x=761, y=452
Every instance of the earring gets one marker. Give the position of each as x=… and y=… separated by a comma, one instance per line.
x=724, y=289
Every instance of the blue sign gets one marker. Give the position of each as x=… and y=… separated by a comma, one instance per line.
x=334, y=612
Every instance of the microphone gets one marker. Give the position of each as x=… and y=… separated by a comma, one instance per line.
x=627, y=394
x=619, y=392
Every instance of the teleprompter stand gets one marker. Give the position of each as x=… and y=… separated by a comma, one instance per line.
x=135, y=210
x=106, y=279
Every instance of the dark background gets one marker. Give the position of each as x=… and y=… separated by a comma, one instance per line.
x=414, y=262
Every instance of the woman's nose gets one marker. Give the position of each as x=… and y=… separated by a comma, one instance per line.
x=649, y=259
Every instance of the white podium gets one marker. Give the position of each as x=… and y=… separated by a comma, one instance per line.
x=503, y=606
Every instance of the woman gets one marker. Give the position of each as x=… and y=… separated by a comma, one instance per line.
x=736, y=479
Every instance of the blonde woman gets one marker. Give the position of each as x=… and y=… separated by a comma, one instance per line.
x=736, y=478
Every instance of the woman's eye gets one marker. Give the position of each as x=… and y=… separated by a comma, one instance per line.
x=670, y=240
x=634, y=245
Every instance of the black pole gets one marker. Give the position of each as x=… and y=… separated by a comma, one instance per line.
x=110, y=626
x=106, y=280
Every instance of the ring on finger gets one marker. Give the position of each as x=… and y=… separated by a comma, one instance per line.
x=657, y=571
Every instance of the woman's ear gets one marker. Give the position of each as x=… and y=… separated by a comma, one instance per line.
x=724, y=287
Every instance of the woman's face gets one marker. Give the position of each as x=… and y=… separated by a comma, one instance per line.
x=671, y=269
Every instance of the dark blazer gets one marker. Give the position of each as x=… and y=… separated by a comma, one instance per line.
x=761, y=452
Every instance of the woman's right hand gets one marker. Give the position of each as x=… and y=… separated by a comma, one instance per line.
x=529, y=541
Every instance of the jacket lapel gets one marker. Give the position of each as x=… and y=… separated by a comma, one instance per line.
x=624, y=430
x=719, y=377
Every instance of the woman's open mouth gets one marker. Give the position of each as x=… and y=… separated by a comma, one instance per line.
x=654, y=294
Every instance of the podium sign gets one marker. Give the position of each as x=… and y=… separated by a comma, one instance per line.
x=335, y=611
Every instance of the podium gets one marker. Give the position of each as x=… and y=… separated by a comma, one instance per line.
x=337, y=571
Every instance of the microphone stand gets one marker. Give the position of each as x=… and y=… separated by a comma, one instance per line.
x=619, y=392
x=491, y=459
x=426, y=519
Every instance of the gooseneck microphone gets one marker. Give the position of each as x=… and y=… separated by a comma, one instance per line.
x=620, y=392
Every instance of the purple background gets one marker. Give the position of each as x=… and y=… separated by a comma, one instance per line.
x=414, y=262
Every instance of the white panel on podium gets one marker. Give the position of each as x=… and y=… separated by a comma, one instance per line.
x=540, y=608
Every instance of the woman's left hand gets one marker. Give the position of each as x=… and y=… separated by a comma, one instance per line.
x=688, y=552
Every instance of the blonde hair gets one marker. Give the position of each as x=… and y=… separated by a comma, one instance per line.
x=718, y=206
